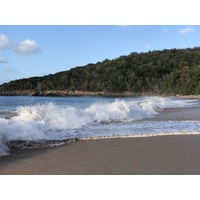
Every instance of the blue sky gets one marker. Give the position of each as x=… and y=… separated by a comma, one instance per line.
x=28, y=50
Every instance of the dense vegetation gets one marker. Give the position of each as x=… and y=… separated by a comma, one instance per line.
x=175, y=71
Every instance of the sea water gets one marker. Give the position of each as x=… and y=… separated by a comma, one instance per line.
x=48, y=119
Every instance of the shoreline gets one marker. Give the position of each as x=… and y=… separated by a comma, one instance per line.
x=78, y=93
x=190, y=96
x=68, y=93
x=161, y=155
x=177, y=114
x=153, y=155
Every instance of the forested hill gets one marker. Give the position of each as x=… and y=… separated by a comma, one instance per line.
x=174, y=71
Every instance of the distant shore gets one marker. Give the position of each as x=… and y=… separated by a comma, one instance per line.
x=190, y=96
x=65, y=93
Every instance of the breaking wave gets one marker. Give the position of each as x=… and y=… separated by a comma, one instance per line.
x=52, y=122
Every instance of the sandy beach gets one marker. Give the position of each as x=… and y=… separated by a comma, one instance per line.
x=190, y=96
x=157, y=155
x=178, y=114
x=143, y=156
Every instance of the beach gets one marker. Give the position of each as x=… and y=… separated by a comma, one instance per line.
x=170, y=155
x=151, y=155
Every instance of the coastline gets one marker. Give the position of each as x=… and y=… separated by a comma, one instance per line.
x=190, y=96
x=66, y=93
x=77, y=93
x=158, y=155
x=161, y=155
x=178, y=114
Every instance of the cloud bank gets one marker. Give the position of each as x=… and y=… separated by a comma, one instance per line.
x=27, y=47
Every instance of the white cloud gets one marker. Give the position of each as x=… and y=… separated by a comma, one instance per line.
x=186, y=30
x=3, y=59
x=27, y=47
x=4, y=42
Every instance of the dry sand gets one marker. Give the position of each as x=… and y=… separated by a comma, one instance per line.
x=190, y=96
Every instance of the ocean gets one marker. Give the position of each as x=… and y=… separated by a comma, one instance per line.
x=39, y=122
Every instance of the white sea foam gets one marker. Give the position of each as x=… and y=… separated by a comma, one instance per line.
x=53, y=122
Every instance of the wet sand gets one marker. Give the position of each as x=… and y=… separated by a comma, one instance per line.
x=151, y=155
x=178, y=114
x=170, y=155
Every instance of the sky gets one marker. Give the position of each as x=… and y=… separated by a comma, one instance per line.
x=37, y=50
x=42, y=37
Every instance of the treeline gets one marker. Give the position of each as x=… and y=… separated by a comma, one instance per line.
x=174, y=71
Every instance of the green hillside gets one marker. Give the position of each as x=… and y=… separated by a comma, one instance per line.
x=174, y=71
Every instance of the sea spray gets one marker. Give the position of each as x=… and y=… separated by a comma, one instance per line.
x=53, y=122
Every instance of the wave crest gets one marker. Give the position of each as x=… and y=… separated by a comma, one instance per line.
x=45, y=122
